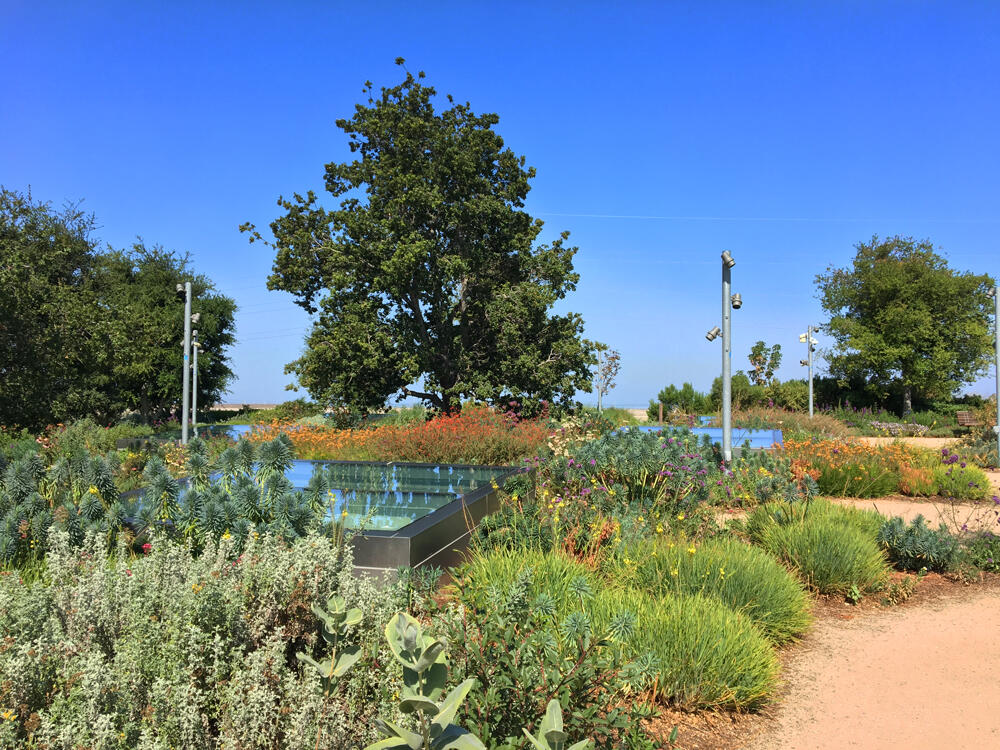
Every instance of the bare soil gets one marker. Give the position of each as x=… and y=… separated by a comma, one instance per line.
x=915, y=676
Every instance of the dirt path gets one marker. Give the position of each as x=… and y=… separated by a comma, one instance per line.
x=916, y=677
x=984, y=516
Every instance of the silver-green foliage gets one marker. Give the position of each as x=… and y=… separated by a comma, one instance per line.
x=170, y=649
x=425, y=677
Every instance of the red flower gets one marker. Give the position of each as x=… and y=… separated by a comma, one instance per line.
x=146, y=548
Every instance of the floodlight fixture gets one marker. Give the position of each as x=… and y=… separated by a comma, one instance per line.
x=804, y=362
x=196, y=317
x=737, y=301
x=727, y=259
x=991, y=292
x=180, y=288
x=713, y=334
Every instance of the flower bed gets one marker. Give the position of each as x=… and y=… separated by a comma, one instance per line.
x=476, y=435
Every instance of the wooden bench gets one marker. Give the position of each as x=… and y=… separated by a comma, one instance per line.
x=966, y=419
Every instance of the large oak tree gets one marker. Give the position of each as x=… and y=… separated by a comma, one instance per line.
x=901, y=316
x=427, y=278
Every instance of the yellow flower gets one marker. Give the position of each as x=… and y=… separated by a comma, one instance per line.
x=641, y=519
x=680, y=516
x=659, y=530
x=93, y=490
x=196, y=587
x=226, y=534
x=674, y=572
x=611, y=492
x=343, y=513
x=8, y=715
x=514, y=497
x=692, y=550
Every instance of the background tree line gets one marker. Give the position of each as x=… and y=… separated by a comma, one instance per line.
x=96, y=332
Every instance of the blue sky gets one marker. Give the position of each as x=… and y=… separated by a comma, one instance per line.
x=663, y=133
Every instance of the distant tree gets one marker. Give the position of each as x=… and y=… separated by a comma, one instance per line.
x=685, y=399
x=91, y=333
x=53, y=333
x=609, y=363
x=764, y=362
x=900, y=315
x=743, y=392
x=139, y=286
x=428, y=271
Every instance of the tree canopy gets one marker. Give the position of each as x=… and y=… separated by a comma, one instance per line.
x=428, y=273
x=900, y=315
x=764, y=362
x=85, y=332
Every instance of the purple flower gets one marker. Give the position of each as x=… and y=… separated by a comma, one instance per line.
x=592, y=462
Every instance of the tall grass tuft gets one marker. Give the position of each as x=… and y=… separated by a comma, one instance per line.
x=552, y=574
x=833, y=549
x=743, y=577
x=706, y=654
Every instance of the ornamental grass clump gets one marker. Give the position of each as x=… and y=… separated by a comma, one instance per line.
x=833, y=550
x=552, y=574
x=706, y=655
x=726, y=569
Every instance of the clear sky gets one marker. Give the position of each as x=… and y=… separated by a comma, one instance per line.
x=663, y=133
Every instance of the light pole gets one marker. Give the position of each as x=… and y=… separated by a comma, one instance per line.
x=185, y=288
x=810, y=342
x=194, y=389
x=995, y=294
x=729, y=302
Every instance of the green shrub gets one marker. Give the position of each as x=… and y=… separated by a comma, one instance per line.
x=831, y=556
x=167, y=649
x=916, y=546
x=706, y=654
x=486, y=575
x=86, y=436
x=961, y=481
x=983, y=551
x=523, y=653
x=745, y=578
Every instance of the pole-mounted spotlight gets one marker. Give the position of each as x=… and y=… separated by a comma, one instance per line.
x=713, y=334
x=737, y=301
x=728, y=259
x=991, y=292
x=804, y=362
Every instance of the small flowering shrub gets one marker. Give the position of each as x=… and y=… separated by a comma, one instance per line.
x=957, y=479
x=983, y=551
x=476, y=435
x=667, y=471
x=166, y=649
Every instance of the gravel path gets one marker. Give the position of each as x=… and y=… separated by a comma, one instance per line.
x=920, y=677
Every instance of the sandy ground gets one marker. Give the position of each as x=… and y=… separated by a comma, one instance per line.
x=983, y=516
x=922, y=442
x=921, y=677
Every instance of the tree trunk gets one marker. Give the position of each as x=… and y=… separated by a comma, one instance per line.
x=907, y=400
